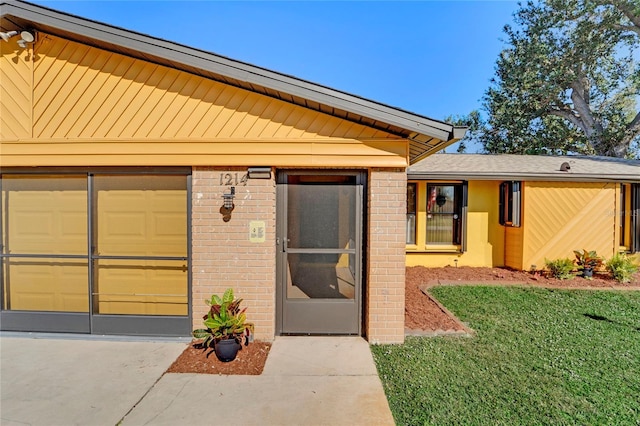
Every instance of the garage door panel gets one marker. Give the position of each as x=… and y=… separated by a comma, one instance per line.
x=39, y=221
x=138, y=222
x=142, y=222
x=52, y=285
x=157, y=287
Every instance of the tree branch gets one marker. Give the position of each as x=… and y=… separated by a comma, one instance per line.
x=631, y=131
x=627, y=28
x=584, y=111
x=569, y=116
x=628, y=11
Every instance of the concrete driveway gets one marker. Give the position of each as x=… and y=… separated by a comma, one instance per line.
x=66, y=380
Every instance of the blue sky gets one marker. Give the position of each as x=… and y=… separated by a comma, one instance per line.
x=433, y=58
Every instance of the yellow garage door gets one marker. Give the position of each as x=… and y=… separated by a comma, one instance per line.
x=44, y=229
x=141, y=230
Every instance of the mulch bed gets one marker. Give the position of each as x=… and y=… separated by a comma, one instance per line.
x=423, y=314
x=250, y=361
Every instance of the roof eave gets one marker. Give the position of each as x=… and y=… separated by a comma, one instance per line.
x=458, y=132
x=174, y=52
x=565, y=177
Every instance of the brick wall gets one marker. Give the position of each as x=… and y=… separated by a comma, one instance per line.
x=222, y=254
x=386, y=256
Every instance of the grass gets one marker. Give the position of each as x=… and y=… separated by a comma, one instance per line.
x=539, y=357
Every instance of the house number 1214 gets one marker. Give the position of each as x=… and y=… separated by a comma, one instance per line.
x=231, y=179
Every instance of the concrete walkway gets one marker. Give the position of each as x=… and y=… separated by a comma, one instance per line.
x=306, y=381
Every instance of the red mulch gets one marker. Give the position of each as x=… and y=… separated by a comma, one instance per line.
x=421, y=312
x=250, y=361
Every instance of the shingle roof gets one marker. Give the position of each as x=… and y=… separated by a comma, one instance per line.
x=426, y=136
x=525, y=167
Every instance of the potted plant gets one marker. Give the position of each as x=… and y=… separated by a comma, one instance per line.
x=226, y=326
x=588, y=261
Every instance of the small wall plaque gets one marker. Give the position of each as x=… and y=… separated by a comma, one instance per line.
x=256, y=231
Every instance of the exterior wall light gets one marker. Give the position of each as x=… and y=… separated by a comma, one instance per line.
x=25, y=37
x=227, y=205
x=259, y=172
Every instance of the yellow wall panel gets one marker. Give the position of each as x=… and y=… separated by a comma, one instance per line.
x=134, y=99
x=485, y=236
x=281, y=153
x=100, y=108
x=16, y=88
x=564, y=216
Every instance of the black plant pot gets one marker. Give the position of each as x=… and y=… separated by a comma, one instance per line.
x=227, y=349
x=587, y=272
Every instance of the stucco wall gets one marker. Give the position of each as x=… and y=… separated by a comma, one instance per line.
x=485, y=235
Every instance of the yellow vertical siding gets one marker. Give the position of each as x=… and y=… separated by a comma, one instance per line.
x=485, y=236
x=94, y=107
x=16, y=82
x=564, y=216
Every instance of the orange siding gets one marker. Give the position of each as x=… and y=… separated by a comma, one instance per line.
x=514, y=248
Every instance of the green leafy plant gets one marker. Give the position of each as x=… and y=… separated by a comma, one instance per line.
x=587, y=259
x=560, y=268
x=621, y=267
x=225, y=320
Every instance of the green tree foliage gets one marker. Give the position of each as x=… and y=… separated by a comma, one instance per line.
x=568, y=81
x=474, y=123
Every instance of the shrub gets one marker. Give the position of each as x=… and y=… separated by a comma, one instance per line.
x=225, y=320
x=621, y=267
x=587, y=259
x=560, y=268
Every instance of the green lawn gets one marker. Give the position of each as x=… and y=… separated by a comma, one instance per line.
x=539, y=357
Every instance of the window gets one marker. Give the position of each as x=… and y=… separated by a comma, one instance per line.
x=630, y=216
x=445, y=214
x=510, y=202
x=411, y=213
x=436, y=216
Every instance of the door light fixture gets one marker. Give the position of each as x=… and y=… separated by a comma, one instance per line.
x=259, y=172
x=227, y=205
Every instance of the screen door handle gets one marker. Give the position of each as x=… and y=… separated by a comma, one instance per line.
x=285, y=242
